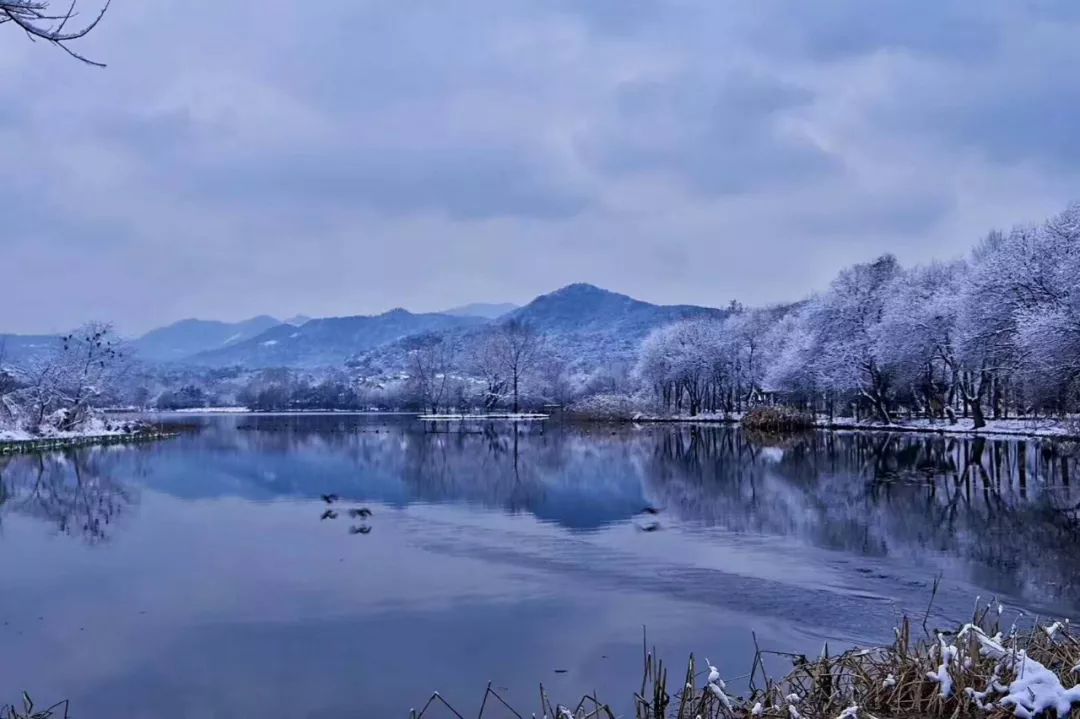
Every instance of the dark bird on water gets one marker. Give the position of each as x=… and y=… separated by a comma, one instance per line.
x=360, y=530
x=649, y=510
x=362, y=512
x=329, y=514
x=330, y=498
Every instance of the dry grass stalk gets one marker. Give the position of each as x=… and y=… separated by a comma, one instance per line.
x=29, y=711
x=777, y=419
x=981, y=670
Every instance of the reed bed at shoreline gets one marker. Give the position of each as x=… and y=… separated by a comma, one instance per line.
x=778, y=419
x=978, y=670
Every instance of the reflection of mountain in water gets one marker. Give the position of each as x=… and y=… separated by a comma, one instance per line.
x=1008, y=508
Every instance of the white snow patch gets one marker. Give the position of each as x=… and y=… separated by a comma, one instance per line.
x=719, y=694
x=942, y=676
x=1035, y=688
x=212, y=410
x=714, y=674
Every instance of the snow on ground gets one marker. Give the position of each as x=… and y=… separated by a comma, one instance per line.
x=96, y=427
x=1025, y=426
x=1016, y=427
x=213, y=410
x=520, y=416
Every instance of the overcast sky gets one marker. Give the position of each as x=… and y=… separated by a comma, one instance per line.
x=349, y=156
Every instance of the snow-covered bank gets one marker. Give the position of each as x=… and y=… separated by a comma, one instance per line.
x=1068, y=428
x=96, y=430
x=20, y=445
x=94, y=426
x=503, y=416
x=212, y=410
x=1024, y=427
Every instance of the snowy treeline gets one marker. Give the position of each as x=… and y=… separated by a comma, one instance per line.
x=507, y=366
x=57, y=392
x=997, y=333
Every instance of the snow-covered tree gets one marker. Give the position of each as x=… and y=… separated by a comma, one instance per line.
x=432, y=362
x=509, y=353
x=916, y=336
x=59, y=390
x=839, y=345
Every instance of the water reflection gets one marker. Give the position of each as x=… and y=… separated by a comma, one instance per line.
x=78, y=494
x=1007, y=507
x=550, y=545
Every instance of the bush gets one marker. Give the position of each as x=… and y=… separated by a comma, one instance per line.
x=606, y=406
x=777, y=419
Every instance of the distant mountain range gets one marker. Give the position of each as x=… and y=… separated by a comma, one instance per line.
x=330, y=341
x=20, y=349
x=183, y=339
x=584, y=324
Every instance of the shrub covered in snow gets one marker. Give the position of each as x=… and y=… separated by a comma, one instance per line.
x=610, y=406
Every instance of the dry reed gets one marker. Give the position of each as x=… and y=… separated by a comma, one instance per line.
x=979, y=670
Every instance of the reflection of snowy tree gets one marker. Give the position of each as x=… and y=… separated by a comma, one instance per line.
x=1006, y=506
x=72, y=492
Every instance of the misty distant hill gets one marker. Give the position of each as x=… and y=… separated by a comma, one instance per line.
x=588, y=324
x=329, y=341
x=21, y=349
x=181, y=340
x=487, y=310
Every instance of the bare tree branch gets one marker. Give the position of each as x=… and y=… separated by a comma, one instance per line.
x=40, y=22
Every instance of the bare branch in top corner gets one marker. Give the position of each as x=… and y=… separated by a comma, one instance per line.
x=40, y=20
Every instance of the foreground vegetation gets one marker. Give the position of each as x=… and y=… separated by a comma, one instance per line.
x=983, y=669
x=27, y=710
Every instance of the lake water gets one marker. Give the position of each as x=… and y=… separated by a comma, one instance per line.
x=194, y=577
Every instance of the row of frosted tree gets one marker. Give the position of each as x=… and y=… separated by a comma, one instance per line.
x=994, y=335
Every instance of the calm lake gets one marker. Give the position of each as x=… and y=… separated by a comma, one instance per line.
x=195, y=577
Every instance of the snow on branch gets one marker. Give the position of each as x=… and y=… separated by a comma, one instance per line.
x=40, y=20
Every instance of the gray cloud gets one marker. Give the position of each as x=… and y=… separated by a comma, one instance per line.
x=721, y=135
x=428, y=154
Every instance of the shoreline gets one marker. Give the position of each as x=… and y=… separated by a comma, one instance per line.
x=1052, y=429
x=52, y=444
x=994, y=429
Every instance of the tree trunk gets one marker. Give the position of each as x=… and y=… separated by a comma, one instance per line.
x=977, y=413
